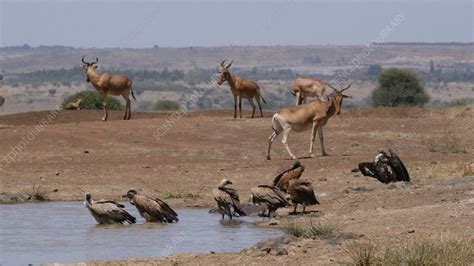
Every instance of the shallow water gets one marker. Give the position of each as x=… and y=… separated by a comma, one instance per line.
x=66, y=232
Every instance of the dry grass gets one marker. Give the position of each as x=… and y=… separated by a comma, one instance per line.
x=181, y=195
x=447, y=143
x=435, y=171
x=311, y=231
x=425, y=252
x=37, y=193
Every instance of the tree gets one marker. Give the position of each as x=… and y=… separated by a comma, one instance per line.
x=93, y=100
x=399, y=87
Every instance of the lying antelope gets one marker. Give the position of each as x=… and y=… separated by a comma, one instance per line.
x=74, y=105
x=301, y=117
x=308, y=87
x=108, y=84
x=241, y=88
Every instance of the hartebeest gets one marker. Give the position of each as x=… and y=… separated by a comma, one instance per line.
x=2, y=100
x=241, y=88
x=308, y=87
x=108, y=84
x=301, y=117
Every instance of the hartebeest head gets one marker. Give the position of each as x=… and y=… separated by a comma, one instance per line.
x=225, y=74
x=338, y=96
x=89, y=65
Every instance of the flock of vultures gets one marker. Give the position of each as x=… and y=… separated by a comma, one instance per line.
x=287, y=189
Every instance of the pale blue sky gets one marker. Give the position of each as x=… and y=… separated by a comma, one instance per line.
x=138, y=24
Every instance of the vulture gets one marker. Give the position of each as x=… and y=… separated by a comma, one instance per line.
x=227, y=199
x=153, y=210
x=108, y=212
x=282, y=180
x=386, y=168
x=301, y=192
x=270, y=196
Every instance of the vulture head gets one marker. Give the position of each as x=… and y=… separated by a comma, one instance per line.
x=225, y=182
x=131, y=193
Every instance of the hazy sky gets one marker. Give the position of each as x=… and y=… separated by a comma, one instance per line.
x=140, y=24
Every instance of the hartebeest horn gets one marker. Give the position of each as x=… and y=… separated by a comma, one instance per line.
x=222, y=63
x=83, y=60
x=331, y=86
x=346, y=88
x=96, y=61
x=227, y=67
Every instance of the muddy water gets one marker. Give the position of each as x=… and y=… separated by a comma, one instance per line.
x=66, y=232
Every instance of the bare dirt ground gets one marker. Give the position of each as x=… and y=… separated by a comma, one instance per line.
x=78, y=153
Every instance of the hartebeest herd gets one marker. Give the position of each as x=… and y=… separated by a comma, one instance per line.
x=286, y=190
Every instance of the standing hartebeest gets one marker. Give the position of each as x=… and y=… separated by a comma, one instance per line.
x=301, y=117
x=241, y=88
x=108, y=84
x=308, y=87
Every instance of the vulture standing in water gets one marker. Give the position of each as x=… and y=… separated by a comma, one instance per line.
x=108, y=212
x=385, y=168
x=301, y=192
x=227, y=199
x=282, y=180
x=270, y=196
x=153, y=210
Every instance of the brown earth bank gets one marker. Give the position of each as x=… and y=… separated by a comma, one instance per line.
x=182, y=157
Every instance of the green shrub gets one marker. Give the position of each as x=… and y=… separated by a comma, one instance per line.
x=167, y=105
x=399, y=87
x=93, y=100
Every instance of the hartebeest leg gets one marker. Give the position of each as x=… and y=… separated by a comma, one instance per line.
x=105, y=107
x=235, y=106
x=127, y=114
x=240, y=106
x=321, y=141
x=286, y=133
x=253, y=106
x=259, y=105
x=313, y=136
x=272, y=138
x=304, y=207
x=298, y=95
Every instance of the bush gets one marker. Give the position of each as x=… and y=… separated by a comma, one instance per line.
x=399, y=87
x=166, y=105
x=93, y=100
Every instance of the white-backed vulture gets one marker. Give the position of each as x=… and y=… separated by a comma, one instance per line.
x=108, y=212
x=270, y=196
x=153, y=210
x=301, y=192
x=227, y=199
x=385, y=168
x=282, y=180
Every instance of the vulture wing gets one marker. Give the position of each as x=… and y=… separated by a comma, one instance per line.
x=398, y=167
x=109, y=211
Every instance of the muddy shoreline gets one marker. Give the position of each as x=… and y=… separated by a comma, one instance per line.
x=78, y=154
